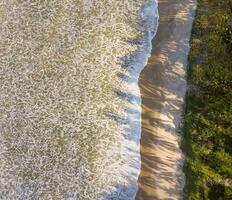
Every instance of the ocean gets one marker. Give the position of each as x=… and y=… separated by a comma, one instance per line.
x=70, y=116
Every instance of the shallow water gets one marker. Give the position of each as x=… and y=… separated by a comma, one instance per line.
x=69, y=100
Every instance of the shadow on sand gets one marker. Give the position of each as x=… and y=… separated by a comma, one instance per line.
x=162, y=85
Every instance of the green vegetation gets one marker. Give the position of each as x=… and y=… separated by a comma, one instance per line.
x=207, y=121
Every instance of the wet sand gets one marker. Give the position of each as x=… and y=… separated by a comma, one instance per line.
x=163, y=85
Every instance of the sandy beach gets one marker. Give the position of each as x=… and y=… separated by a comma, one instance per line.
x=163, y=85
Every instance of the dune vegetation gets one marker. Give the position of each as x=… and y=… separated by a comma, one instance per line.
x=207, y=119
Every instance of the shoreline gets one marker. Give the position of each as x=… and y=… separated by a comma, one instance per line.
x=162, y=86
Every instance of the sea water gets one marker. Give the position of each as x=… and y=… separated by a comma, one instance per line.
x=70, y=116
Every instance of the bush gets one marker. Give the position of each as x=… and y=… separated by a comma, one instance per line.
x=207, y=129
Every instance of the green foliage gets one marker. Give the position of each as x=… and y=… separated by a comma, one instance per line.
x=207, y=129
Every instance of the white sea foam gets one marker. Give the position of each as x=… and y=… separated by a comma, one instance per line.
x=137, y=61
x=69, y=101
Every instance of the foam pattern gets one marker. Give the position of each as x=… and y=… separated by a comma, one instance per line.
x=69, y=100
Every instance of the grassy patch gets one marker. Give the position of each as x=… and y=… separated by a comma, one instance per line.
x=207, y=129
